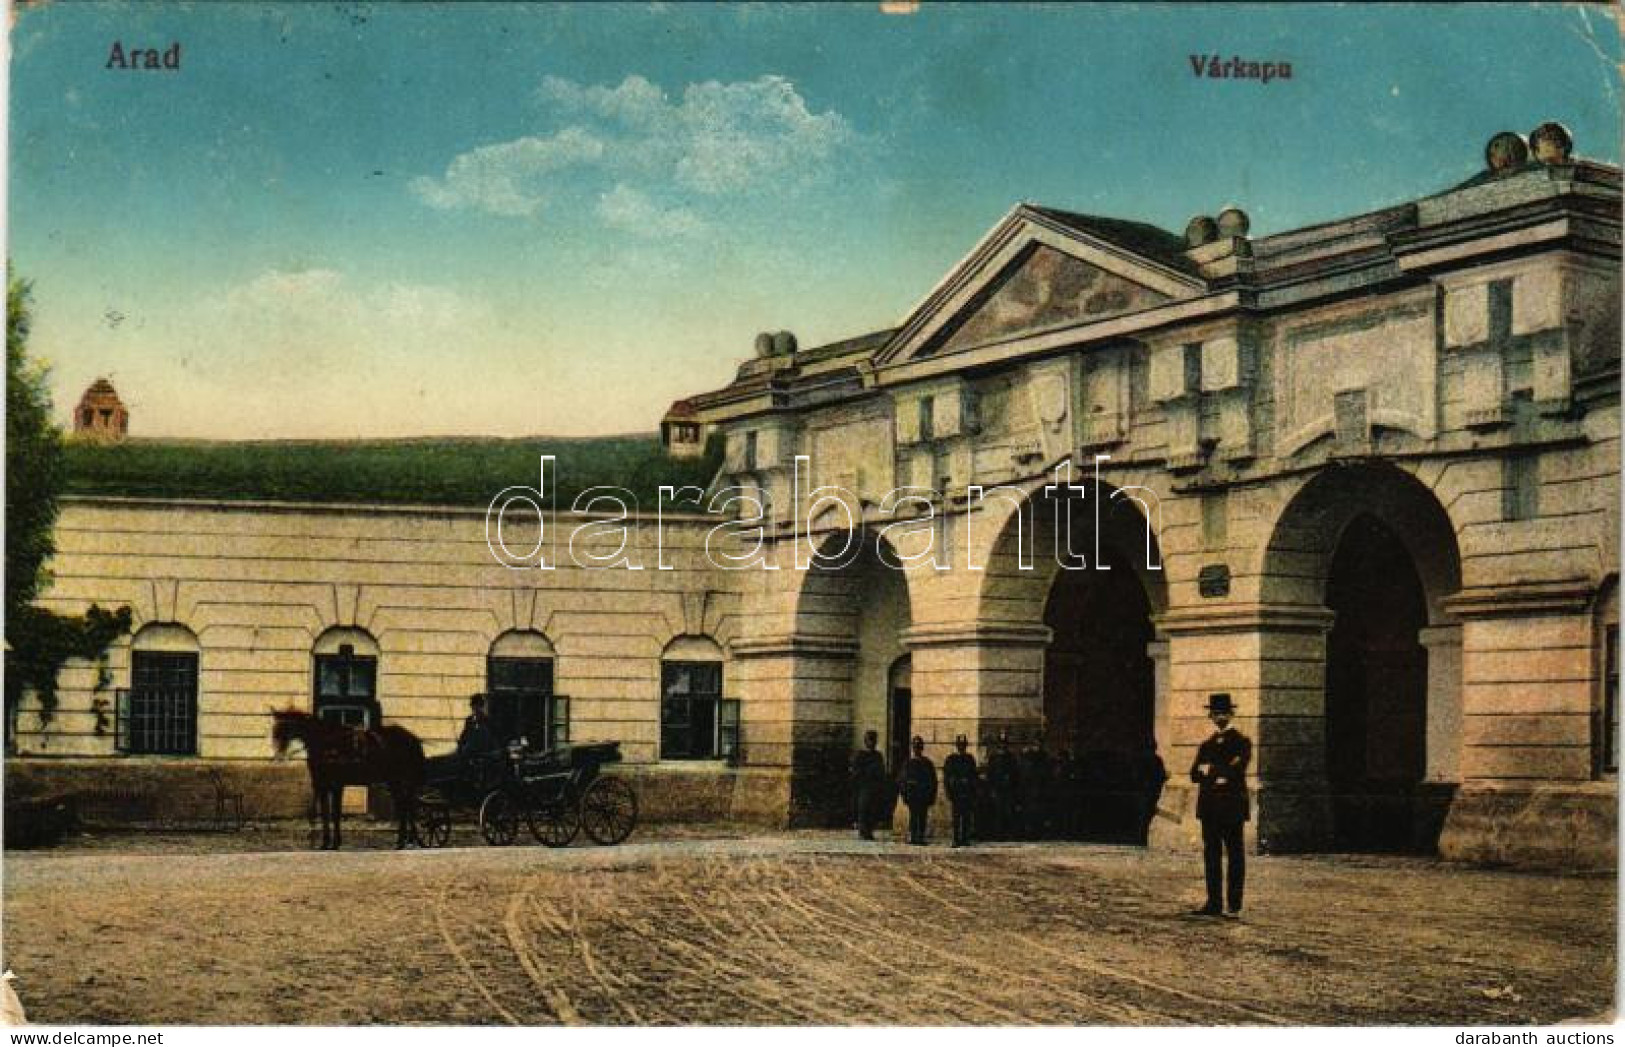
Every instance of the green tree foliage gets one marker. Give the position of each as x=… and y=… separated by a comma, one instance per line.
x=33, y=459
x=38, y=641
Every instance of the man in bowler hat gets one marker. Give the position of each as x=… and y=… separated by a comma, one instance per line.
x=1220, y=773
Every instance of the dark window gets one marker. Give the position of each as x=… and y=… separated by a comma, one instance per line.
x=521, y=703
x=158, y=714
x=347, y=688
x=85, y=416
x=690, y=694
x=750, y=451
x=1610, y=700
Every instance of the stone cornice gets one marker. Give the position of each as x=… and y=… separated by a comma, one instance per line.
x=793, y=645
x=1563, y=596
x=977, y=634
x=1244, y=618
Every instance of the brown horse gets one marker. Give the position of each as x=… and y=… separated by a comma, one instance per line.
x=338, y=756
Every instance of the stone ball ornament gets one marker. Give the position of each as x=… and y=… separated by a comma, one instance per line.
x=1506, y=152
x=1201, y=230
x=1551, y=143
x=1233, y=222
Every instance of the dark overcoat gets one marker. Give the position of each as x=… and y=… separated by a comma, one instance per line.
x=1220, y=773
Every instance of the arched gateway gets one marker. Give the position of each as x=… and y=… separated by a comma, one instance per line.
x=851, y=618
x=1084, y=563
x=1373, y=547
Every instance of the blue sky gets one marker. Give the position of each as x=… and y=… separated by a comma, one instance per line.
x=394, y=219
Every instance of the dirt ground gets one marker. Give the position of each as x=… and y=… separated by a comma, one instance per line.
x=720, y=927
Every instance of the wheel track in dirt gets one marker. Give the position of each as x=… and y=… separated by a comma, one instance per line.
x=1381, y=956
x=1115, y=1011
x=980, y=973
x=1101, y=971
x=461, y=958
x=771, y=997
x=686, y=965
x=520, y=935
x=845, y=1002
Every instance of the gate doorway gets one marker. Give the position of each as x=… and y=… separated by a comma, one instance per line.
x=1100, y=703
x=1376, y=691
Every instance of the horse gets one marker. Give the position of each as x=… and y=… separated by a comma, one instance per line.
x=338, y=756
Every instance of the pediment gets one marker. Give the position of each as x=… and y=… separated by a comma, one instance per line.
x=1043, y=289
x=1032, y=274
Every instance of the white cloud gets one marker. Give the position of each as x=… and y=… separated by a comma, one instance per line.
x=718, y=139
x=739, y=135
x=631, y=210
x=505, y=178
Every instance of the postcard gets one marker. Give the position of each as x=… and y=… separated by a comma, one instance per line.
x=881, y=515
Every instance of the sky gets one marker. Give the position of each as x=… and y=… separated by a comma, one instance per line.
x=345, y=220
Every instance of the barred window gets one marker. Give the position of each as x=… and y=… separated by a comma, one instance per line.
x=519, y=699
x=347, y=688
x=690, y=700
x=157, y=715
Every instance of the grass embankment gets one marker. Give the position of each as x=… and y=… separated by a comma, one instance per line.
x=424, y=471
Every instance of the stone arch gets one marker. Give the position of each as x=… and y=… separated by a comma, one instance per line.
x=165, y=636
x=1085, y=593
x=851, y=615
x=522, y=643
x=860, y=603
x=1315, y=518
x=1008, y=592
x=1359, y=716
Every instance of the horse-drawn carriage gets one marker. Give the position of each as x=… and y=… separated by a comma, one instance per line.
x=555, y=794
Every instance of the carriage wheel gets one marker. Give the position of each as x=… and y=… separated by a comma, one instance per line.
x=609, y=811
x=499, y=819
x=431, y=823
x=554, y=824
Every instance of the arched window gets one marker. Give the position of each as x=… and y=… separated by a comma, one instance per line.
x=157, y=714
x=695, y=722
x=345, y=687
x=519, y=694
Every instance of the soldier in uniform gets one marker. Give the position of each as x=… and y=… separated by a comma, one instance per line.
x=959, y=781
x=1035, y=791
x=919, y=788
x=1220, y=773
x=1002, y=780
x=868, y=784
